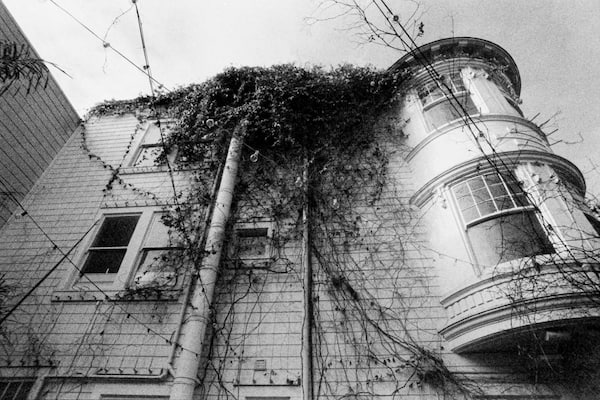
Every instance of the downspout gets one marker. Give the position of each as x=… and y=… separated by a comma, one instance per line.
x=307, y=381
x=188, y=286
x=194, y=330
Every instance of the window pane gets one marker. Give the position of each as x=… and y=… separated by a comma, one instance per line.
x=152, y=135
x=158, y=267
x=13, y=388
x=508, y=237
x=103, y=261
x=490, y=193
x=147, y=156
x=252, y=243
x=519, y=195
x=504, y=203
x=487, y=207
x=463, y=196
x=470, y=214
x=481, y=195
x=476, y=183
x=116, y=231
x=158, y=233
x=450, y=109
x=24, y=390
x=497, y=189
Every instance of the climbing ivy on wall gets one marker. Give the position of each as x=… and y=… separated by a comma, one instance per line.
x=312, y=137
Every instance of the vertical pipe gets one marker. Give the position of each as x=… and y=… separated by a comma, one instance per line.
x=194, y=330
x=307, y=381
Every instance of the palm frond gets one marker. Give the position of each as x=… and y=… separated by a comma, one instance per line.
x=18, y=65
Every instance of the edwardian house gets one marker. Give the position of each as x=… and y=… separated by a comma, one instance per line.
x=133, y=272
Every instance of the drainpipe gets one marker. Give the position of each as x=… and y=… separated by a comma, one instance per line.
x=307, y=381
x=194, y=330
x=188, y=287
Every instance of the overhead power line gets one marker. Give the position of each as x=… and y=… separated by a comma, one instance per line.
x=108, y=45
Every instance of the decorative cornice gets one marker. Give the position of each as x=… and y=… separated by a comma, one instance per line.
x=460, y=47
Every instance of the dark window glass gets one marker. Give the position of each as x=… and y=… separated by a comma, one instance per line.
x=104, y=261
x=109, y=247
x=252, y=243
x=594, y=222
x=513, y=232
x=508, y=237
x=116, y=231
x=15, y=390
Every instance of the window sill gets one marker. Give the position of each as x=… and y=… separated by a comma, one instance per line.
x=162, y=168
x=142, y=170
x=498, y=214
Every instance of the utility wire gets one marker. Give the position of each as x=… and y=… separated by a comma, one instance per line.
x=495, y=159
x=66, y=257
x=47, y=274
x=108, y=45
x=158, y=122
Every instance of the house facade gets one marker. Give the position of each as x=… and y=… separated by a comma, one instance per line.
x=452, y=255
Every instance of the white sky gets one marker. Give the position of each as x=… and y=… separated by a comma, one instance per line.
x=556, y=45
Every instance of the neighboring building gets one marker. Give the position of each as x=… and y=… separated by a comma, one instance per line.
x=469, y=271
x=35, y=124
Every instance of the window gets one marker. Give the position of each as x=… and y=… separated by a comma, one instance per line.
x=151, y=145
x=445, y=102
x=159, y=258
x=251, y=243
x=15, y=389
x=488, y=194
x=131, y=249
x=105, y=255
x=501, y=224
x=432, y=91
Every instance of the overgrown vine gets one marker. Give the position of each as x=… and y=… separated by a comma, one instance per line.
x=320, y=139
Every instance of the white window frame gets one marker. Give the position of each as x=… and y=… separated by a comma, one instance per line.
x=122, y=279
x=458, y=91
x=158, y=279
x=107, y=279
x=140, y=144
x=453, y=81
x=466, y=224
x=494, y=199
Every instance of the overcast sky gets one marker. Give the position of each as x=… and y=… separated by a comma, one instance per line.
x=556, y=45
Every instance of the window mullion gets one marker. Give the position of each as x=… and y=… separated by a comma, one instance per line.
x=487, y=188
x=474, y=201
x=510, y=193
